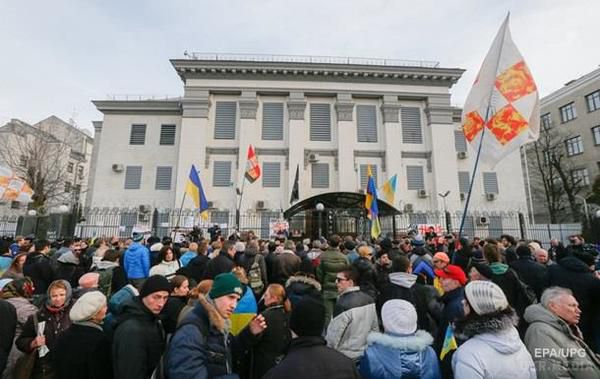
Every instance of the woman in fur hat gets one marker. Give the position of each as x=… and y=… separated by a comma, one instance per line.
x=493, y=348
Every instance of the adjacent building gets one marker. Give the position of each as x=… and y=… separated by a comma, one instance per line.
x=60, y=152
x=571, y=117
x=329, y=117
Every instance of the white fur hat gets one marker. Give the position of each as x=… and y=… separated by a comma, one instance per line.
x=399, y=317
x=87, y=306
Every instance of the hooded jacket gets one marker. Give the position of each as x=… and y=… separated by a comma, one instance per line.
x=202, y=346
x=354, y=317
x=285, y=265
x=299, y=286
x=139, y=341
x=69, y=268
x=493, y=350
x=425, y=299
x=566, y=354
x=389, y=357
x=38, y=267
x=332, y=262
x=136, y=261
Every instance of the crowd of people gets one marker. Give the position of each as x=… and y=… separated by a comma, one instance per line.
x=421, y=306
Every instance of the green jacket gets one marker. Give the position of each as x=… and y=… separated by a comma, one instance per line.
x=332, y=262
x=557, y=350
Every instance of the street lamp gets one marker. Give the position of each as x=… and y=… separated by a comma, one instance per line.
x=444, y=196
x=320, y=208
x=585, y=208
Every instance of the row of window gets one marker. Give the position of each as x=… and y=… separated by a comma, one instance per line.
x=137, y=135
x=568, y=112
x=271, y=177
x=273, y=120
x=574, y=145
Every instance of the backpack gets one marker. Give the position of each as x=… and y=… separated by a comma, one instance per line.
x=105, y=281
x=255, y=276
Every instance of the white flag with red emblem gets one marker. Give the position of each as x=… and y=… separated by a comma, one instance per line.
x=503, y=104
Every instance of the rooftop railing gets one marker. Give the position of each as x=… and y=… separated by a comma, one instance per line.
x=308, y=59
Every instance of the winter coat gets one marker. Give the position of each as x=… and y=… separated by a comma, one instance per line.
x=531, y=273
x=332, y=262
x=354, y=317
x=170, y=312
x=247, y=260
x=8, y=326
x=195, y=268
x=299, y=286
x=39, y=268
x=367, y=276
x=202, y=346
x=383, y=276
x=112, y=277
x=425, y=298
x=185, y=259
x=273, y=342
x=57, y=322
x=308, y=357
x=70, y=269
x=166, y=269
x=508, y=281
x=218, y=265
x=83, y=352
x=390, y=357
x=24, y=310
x=136, y=261
x=306, y=265
x=574, y=274
x=566, y=354
x=453, y=310
x=493, y=350
x=285, y=265
x=116, y=304
x=139, y=341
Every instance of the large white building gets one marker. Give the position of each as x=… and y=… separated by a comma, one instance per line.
x=331, y=117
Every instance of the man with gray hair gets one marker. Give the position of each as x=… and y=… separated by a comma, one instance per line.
x=541, y=257
x=554, y=339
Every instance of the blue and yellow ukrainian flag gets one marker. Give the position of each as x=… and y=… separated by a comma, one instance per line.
x=194, y=190
x=388, y=190
x=371, y=204
x=449, y=342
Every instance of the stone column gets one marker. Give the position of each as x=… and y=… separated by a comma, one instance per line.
x=249, y=134
x=390, y=109
x=443, y=153
x=346, y=139
x=193, y=135
x=296, y=106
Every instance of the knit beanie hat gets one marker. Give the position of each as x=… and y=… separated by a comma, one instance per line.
x=89, y=280
x=137, y=237
x=418, y=240
x=87, y=306
x=441, y=256
x=485, y=297
x=483, y=269
x=225, y=284
x=308, y=317
x=399, y=317
x=523, y=251
x=155, y=283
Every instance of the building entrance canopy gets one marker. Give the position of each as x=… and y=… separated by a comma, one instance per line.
x=341, y=201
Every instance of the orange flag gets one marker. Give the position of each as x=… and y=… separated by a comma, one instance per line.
x=252, y=166
x=504, y=100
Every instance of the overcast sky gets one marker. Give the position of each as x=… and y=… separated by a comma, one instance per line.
x=58, y=55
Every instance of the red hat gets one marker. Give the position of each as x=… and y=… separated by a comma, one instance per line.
x=452, y=272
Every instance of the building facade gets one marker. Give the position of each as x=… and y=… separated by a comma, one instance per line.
x=570, y=117
x=331, y=118
x=61, y=152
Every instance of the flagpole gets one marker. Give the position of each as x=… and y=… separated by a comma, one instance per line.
x=237, y=211
x=487, y=117
x=180, y=212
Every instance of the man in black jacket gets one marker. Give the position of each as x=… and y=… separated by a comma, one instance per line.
x=39, y=268
x=139, y=338
x=308, y=357
x=8, y=315
x=531, y=273
x=221, y=263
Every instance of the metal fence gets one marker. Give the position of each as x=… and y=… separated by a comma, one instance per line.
x=105, y=222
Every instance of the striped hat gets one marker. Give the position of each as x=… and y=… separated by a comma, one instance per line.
x=485, y=297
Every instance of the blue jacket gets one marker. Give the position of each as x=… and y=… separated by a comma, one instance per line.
x=187, y=257
x=137, y=261
x=202, y=348
x=389, y=357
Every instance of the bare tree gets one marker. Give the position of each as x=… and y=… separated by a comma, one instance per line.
x=38, y=157
x=552, y=172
